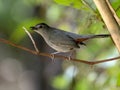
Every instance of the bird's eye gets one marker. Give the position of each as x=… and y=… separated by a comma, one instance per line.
x=41, y=26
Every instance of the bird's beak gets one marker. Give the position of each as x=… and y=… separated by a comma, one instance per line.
x=33, y=28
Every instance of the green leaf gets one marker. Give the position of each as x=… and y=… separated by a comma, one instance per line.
x=64, y=2
x=19, y=33
x=118, y=80
x=75, y=3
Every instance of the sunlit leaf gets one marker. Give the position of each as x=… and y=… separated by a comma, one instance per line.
x=64, y=2
x=19, y=33
x=74, y=3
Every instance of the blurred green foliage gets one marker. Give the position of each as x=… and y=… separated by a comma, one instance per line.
x=78, y=16
x=75, y=3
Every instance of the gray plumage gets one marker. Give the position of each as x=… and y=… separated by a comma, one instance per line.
x=63, y=41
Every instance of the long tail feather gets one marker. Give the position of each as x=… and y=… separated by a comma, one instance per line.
x=91, y=37
x=100, y=36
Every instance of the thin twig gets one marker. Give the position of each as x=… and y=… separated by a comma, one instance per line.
x=113, y=12
x=58, y=56
x=34, y=44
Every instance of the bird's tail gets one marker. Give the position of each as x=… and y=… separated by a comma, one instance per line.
x=91, y=37
x=99, y=36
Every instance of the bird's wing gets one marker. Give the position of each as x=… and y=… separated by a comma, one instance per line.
x=78, y=38
x=78, y=41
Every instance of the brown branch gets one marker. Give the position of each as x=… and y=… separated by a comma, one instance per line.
x=57, y=56
x=113, y=12
x=109, y=20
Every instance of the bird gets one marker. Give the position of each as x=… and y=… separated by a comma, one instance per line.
x=63, y=41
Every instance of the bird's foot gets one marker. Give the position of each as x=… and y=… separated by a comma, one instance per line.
x=53, y=56
x=69, y=58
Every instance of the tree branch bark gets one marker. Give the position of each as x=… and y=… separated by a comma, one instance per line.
x=109, y=20
x=89, y=62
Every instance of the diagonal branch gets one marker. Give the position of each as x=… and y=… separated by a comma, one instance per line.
x=113, y=11
x=109, y=20
x=34, y=44
x=58, y=56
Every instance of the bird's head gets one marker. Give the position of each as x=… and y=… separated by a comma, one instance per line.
x=40, y=26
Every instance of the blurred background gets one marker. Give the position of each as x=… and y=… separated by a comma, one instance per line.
x=20, y=70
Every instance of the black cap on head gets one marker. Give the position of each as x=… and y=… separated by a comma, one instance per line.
x=42, y=24
x=38, y=26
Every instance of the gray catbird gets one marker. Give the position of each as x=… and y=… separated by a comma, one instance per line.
x=63, y=41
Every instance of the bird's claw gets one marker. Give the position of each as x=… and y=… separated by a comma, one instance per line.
x=53, y=57
x=69, y=58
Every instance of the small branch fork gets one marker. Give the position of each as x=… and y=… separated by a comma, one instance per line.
x=57, y=56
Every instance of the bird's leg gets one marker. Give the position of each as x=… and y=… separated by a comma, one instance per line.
x=70, y=55
x=53, y=55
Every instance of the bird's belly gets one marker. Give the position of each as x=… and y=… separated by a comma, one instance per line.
x=60, y=47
